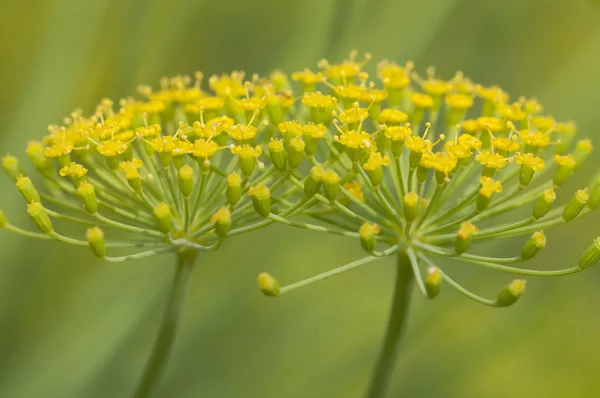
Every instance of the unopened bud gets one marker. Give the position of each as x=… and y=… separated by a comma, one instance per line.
x=162, y=212
x=268, y=285
x=113, y=162
x=39, y=216
x=165, y=159
x=186, y=180
x=87, y=195
x=95, y=238
x=222, y=220
x=534, y=244
x=576, y=204
x=511, y=293
x=591, y=255
x=433, y=282
x=565, y=166
x=278, y=155
x=544, y=203
x=582, y=151
x=11, y=166
x=35, y=151
x=312, y=183
x=594, y=201
x=296, y=152
x=234, y=188
x=261, y=199
x=331, y=184
x=464, y=237
x=25, y=186
x=367, y=234
x=411, y=206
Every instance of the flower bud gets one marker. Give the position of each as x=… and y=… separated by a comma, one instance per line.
x=544, y=203
x=411, y=206
x=511, y=293
x=11, y=166
x=594, y=201
x=186, y=180
x=296, y=152
x=433, y=282
x=234, y=188
x=3, y=220
x=162, y=212
x=35, y=151
x=488, y=188
x=268, y=285
x=312, y=183
x=576, y=204
x=367, y=234
x=331, y=184
x=278, y=155
x=582, y=151
x=591, y=255
x=261, y=199
x=464, y=237
x=246, y=164
x=87, y=195
x=113, y=162
x=536, y=242
x=95, y=238
x=564, y=169
x=39, y=216
x=25, y=186
x=222, y=220
x=165, y=159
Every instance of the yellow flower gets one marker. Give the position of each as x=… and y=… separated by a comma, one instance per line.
x=393, y=116
x=355, y=189
x=73, y=170
x=530, y=160
x=376, y=160
x=491, y=160
x=355, y=139
x=489, y=187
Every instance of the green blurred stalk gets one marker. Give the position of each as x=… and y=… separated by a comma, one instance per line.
x=168, y=329
x=382, y=374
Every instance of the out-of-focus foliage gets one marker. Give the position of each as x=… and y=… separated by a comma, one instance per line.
x=73, y=327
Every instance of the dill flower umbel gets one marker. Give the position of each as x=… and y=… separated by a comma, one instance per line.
x=414, y=167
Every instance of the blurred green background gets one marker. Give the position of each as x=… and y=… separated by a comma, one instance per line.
x=71, y=326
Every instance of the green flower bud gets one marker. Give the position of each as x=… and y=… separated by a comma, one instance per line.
x=186, y=180
x=25, y=186
x=278, y=155
x=565, y=167
x=261, y=199
x=178, y=160
x=576, y=204
x=526, y=175
x=464, y=237
x=87, y=195
x=222, y=220
x=65, y=160
x=411, y=206
x=414, y=159
x=433, y=282
x=95, y=238
x=511, y=293
x=11, y=166
x=3, y=220
x=39, y=216
x=296, y=153
x=594, y=201
x=582, y=151
x=275, y=112
x=165, y=159
x=234, y=188
x=312, y=183
x=422, y=174
x=268, y=285
x=544, y=203
x=591, y=255
x=331, y=184
x=162, y=212
x=536, y=242
x=367, y=234
x=35, y=151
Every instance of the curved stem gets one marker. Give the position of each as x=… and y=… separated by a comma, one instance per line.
x=166, y=335
x=382, y=374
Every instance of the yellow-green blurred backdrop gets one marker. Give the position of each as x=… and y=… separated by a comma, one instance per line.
x=71, y=326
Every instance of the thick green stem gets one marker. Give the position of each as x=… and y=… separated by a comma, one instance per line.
x=382, y=374
x=166, y=335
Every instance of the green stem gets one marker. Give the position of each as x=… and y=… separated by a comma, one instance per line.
x=166, y=335
x=384, y=368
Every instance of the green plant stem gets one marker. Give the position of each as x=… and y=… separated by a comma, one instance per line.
x=166, y=335
x=382, y=374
